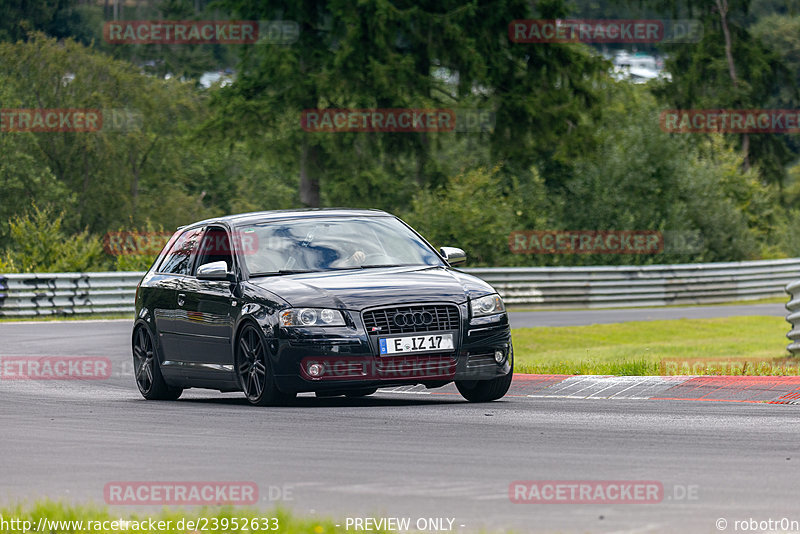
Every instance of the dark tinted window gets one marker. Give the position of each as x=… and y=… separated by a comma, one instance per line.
x=216, y=246
x=181, y=255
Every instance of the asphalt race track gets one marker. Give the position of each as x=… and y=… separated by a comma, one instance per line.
x=394, y=454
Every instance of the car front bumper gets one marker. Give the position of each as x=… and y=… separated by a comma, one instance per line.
x=347, y=358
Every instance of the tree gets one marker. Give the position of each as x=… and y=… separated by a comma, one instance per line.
x=377, y=54
x=139, y=138
x=24, y=178
x=18, y=17
x=730, y=68
x=641, y=178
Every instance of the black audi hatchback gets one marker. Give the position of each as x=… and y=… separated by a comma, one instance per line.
x=338, y=302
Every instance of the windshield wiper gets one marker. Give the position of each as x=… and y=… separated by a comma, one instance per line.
x=285, y=271
x=357, y=267
x=387, y=265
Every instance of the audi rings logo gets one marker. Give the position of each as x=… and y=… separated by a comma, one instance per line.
x=413, y=319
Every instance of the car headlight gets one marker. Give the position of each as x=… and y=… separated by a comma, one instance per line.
x=311, y=317
x=488, y=305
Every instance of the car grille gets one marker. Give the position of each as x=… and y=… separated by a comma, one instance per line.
x=421, y=318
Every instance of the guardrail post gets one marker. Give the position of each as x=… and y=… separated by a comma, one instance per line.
x=793, y=318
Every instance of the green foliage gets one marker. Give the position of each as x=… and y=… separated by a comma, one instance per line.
x=187, y=61
x=570, y=149
x=40, y=245
x=7, y=265
x=784, y=240
x=472, y=211
x=125, y=259
x=641, y=178
x=755, y=77
x=148, y=167
x=133, y=262
x=17, y=17
x=425, y=55
x=130, y=156
x=25, y=179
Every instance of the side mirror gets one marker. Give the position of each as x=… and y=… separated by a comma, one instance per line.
x=453, y=255
x=217, y=270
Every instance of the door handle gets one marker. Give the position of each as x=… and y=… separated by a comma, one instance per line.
x=181, y=297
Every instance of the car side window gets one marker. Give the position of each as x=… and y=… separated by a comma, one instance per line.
x=215, y=246
x=180, y=257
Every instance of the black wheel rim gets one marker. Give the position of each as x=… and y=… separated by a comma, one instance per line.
x=143, y=360
x=252, y=364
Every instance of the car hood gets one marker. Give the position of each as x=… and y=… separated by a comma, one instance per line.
x=357, y=289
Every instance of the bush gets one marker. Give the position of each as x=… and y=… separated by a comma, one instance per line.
x=7, y=266
x=641, y=178
x=472, y=211
x=39, y=245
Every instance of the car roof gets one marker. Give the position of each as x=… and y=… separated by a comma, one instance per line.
x=262, y=216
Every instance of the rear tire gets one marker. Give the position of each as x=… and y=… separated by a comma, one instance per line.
x=484, y=390
x=147, y=370
x=254, y=371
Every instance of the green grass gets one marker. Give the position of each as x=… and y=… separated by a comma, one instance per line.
x=56, y=511
x=727, y=345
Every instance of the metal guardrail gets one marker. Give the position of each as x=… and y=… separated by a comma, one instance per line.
x=27, y=295
x=793, y=306
x=542, y=287
x=647, y=285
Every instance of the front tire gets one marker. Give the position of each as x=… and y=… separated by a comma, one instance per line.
x=484, y=390
x=147, y=370
x=254, y=371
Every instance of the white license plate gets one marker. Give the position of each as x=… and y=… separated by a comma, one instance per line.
x=426, y=343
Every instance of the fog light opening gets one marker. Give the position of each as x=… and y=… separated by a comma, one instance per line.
x=499, y=356
x=315, y=370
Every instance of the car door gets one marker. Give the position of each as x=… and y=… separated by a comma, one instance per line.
x=170, y=280
x=207, y=322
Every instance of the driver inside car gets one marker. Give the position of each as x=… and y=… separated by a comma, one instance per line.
x=356, y=258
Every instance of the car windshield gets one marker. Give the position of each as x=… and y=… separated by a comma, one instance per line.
x=332, y=243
